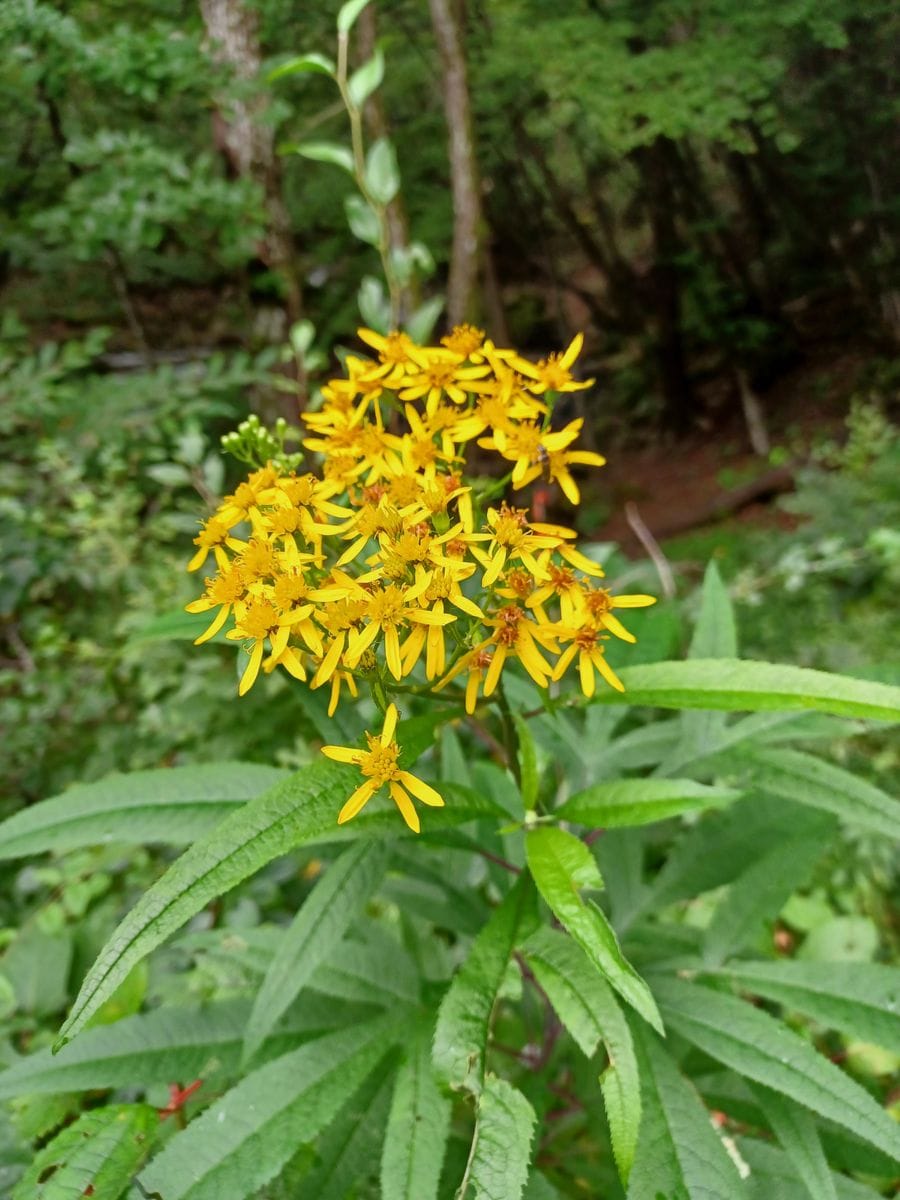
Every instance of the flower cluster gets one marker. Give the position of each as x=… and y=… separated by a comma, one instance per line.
x=394, y=560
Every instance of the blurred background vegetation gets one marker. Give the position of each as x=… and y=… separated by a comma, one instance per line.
x=708, y=190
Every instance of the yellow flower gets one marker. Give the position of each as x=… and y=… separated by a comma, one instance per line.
x=214, y=536
x=528, y=445
x=441, y=373
x=556, y=464
x=390, y=610
x=510, y=536
x=223, y=591
x=599, y=603
x=258, y=619
x=586, y=643
x=379, y=763
x=552, y=374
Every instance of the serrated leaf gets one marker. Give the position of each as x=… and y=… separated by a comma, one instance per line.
x=348, y=1152
x=301, y=811
x=348, y=13
x=860, y=999
x=327, y=152
x=760, y=893
x=165, y=1044
x=95, y=1156
x=764, y=1050
x=797, y=1133
x=363, y=82
x=587, y=1007
x=244, y=1139
x=806, y=779
x=321, y=922
x=626, y=802
x=382, y=172
x=504, y=1126
x=175, y=805
x=561, y=865
x=679, y=1154
x=736, y=685
x=316, y=64
x=417, y=1129
x=464, y=1017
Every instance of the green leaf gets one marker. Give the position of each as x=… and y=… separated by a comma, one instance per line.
x=760, y=893
x=641, y=801
x=713, y=852
x=464, y=1017
x=764, y=1050
x=587, y=1007
x=348, y=1151
x=175, y=626
x=797, y=1133
x=369, y=968
x=363, y=82
x=165, y=1044
x=504, y=1125
x=715, y=634
x=245, y=1138
x=327, y=152
x=301, y=811
x=321, y=922
x=176, y=806
x=810, y=780
x=420, y=324
x=417, y=1129
x=679, y=1154
x=528, y=768
x=362, y=219
x=859, y=999
x=561, y=865
x=382, y=173
x=95, y=1156
x=316, y=64
x=773, y=1176
x=740, y=685
x=348, y=13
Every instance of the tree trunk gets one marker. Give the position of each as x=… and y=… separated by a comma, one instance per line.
x=246, y=141
x=465, y=260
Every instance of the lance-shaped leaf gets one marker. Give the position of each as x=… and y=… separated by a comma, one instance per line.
x=464, y=1018
x=243, y=1140
x=741, y=685
x=859, y=999
x=759, y=893
x=679, y=1153
x=641, y=801
x=810, y=780
x=95, y=1156
x=561, y=866
x=323, y=919
x=301, y=811
x=165, y=1044
x=773, y=1176
x=797, y=1133
x=174, y=806
x=417, y=1128
x=764, y=1050
x=347, y=1154
x=585, y=1004
x=504, y=1124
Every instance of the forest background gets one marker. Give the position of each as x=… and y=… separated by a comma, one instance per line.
x=708, y=190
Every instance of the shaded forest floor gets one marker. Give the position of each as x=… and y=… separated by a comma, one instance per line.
x=712, y=474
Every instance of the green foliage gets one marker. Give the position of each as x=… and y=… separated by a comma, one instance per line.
x=405, y=1034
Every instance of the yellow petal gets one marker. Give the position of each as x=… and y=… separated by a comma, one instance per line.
x=343, y=753
x=357, y=801
x=251, y=670
x=421, y=790
x=390, y=725
x=614, y=625
x=407, y=809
